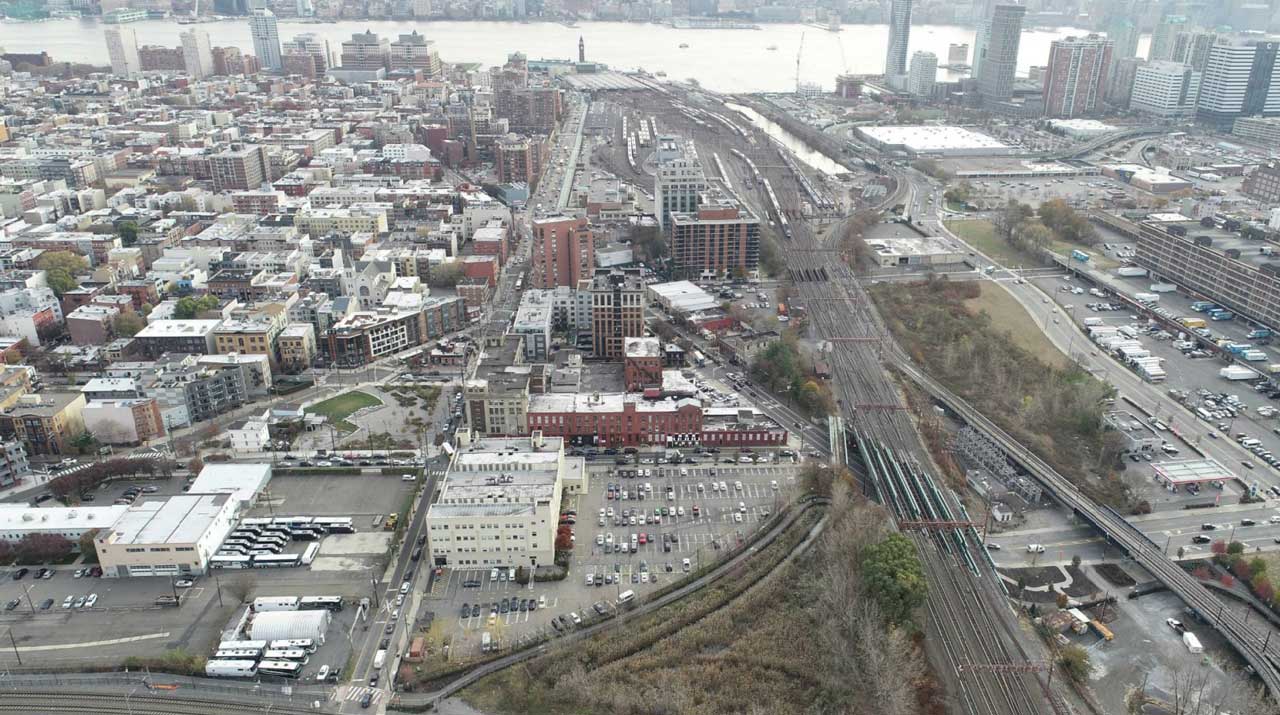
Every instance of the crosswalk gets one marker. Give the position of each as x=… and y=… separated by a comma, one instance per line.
x=356, y=694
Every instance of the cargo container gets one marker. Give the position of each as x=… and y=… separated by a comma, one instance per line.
x=1193, y=322
x=1131, y=271
x=1254, y=355
x=1274, y=368
x=1146, y=297
x=1236, y=372
x=1163, y=288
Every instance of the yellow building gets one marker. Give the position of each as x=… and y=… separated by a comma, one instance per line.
x=45, y=422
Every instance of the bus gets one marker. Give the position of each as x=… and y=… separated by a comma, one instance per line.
x=328, y=521
x=280, y=668
x=254, y=529
x=292, y=520
x=310, y=555
x=267, y=561
x=255, y=522
x=317, y=603
x=699, y=359
x=273, y=537
x=303, y=535
x=231, y=668
x=294, y=644
x=286, y=654
x=230, y=561
x=238, y=653
x=257, y=646
x=270, y=548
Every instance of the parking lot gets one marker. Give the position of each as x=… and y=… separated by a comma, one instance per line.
x=658, y=509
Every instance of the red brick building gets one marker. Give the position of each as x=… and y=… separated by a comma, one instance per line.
x=563, y=252
x=642, y=363
x=624, y=420
x=483, y=268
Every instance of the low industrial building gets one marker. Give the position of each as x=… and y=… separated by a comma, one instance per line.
x=1139, y=437
x=243, y=482
x=921, y=251
x=499, y=500
x=681, y=297
x=916, y=140
x=19, y=520
x=169, y=537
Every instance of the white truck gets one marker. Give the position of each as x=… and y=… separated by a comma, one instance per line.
x=1163, y=288
x=1131, y=271
x=1192, y=643
x=1146, y=297
x=380, y=658
x=1236, y=372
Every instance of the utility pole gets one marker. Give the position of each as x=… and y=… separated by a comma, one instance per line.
x=14, y=643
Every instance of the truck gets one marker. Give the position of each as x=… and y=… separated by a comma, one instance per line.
x=1194, y=322
x=1274, y=368
x=782, y=309
x=1092, y=322
x=1203, y=306
x=1131, y=271
x=416, y=649
x=1079, y=255
x=1220, y=314
x=1162, y=288
x=1254, y=355
x=1192, y=643
x=1146, y=297
x=1102, y=629
x=1259, y=334
x=1236, y=348
x=379, y=659
x=1236, y=372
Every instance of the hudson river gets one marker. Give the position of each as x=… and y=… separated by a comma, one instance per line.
x=722, y=60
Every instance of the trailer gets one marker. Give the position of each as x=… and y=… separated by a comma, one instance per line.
x=1254, y=355
x=1236, y=372
x=1146, y=297
x=1131, y=271
x=1162, y=288
x=274, y=603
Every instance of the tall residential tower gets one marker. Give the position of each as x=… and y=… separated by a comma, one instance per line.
x=122, y=48
x=999, y=59
x=266, y=39
x=895, y=60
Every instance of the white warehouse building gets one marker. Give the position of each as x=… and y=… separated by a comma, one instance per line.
x=499, y=501
x=18, y=520
x=175, y=536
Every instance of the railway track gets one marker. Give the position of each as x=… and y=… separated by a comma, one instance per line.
x=139, y=703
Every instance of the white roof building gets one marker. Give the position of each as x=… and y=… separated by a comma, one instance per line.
x=18, y=520
x=931, y=139
x=290, y=625
x=174, y=536
x=682, y=297
x=243, y=482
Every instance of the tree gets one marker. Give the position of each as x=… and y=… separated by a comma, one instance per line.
x=188, y=307
x=195, y=465
x=647, y=243
x=931, y=168
x=895, y=577
x=129, y=324
x=128, y=233
x=43, y=548
x=1011, y=218
x=1075, y=663
x=88, y=551
x=1075, y=561
x=564, y=539
x=239, y=588
x=61, y=269
x=1235, y=548
x=1218, y=547
x=445, y=275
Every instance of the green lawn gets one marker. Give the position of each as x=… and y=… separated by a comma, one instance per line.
x=1099, y=260
x=1007, y=314
x=337, y=409
x=981, y=234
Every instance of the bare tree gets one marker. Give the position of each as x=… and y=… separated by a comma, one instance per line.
x=239, y=588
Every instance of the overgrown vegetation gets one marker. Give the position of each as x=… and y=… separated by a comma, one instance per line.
x=781, y=368
x=1055, y=411
x=931, y=168
x=853, y=243
x=807, y=638
x=61, y=269
x=189, y=307
x=176, y=661
x=88, y=477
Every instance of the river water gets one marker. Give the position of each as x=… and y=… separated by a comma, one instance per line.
x=721, y=60
x=815, y=159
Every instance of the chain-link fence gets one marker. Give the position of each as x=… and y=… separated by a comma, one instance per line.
x=177, y=685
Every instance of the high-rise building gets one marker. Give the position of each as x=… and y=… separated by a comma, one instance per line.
x=122, y=48
x=982, y=10
x=1123, y=32
x=720, y=239
x=618, y=300
x=1076, y=76
x=228, y=60
x=1120, y=80
x=923, y=74
x=958, y=54
x=415, y=52
x=312, y=44
x=1165, y=89
x=1000, y=53
x=197, y=53
x=1192, y=48
x=266, y=39
x=563, y=251
x=1165, y=37
x=895, y=60
x=239, y=168
x=1240, y=79
x=366, y=51
x=679, y=181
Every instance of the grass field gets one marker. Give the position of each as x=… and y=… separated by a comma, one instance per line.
x=981, y=234
x=1007, y=314
x=337, y=409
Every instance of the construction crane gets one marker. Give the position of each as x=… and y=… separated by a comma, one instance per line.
x=799, y=52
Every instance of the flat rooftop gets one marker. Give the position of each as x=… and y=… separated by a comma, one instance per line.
x=20, y=517
x=941, y=139
x=178, y=328
x=683, y=295
x=179, y=519
x=918, y=246
x=1221, y=240
x=1192, y=471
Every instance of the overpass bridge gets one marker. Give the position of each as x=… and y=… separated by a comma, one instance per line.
x=1251, y=638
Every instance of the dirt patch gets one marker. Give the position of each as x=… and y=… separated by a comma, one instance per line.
x=1115, y=575
x=1035, y=576
x=1080, y=584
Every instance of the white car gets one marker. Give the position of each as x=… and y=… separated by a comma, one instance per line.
x=183, y=583
x=322, y=673
x=599, y=539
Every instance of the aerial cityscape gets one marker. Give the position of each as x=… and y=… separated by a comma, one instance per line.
x=890, y=357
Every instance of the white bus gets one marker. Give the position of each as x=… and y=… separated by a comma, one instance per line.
x=281, y=668
x=238, y=653
x=286, y=654
x=257, y=646
x=318, y=603
x=231, y=668
x=255, y=522
x=268, y=561
x=310, y=555
x=328, y=521
x=305, y=644
x=229, y=561
x=292, y=520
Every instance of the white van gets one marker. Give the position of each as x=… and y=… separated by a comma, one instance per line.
x=379, y=658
